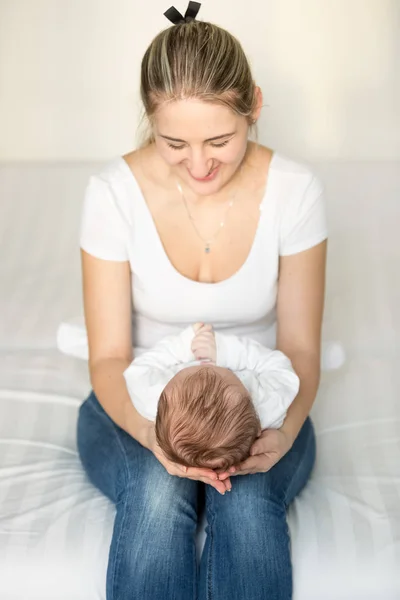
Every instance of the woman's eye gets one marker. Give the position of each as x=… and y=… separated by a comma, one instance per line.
x=175, y=147
x=213, y=145
x=220, y=145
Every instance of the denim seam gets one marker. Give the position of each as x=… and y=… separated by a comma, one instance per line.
x=211, y=546
x=116, y=561
x=195, y=576
x=127, y=477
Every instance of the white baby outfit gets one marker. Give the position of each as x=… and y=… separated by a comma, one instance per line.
x=267, y=374
x=117, y=225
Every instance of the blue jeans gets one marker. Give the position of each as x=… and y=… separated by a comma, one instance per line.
x=153, y=555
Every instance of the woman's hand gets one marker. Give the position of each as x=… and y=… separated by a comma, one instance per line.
x=266, y=451
x=205, y=475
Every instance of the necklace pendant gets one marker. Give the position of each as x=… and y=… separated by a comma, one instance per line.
x=207, y=249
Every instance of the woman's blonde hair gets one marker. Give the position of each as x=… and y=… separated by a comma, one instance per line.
x=196, y=60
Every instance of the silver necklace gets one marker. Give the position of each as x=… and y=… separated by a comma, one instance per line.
x=210, y=240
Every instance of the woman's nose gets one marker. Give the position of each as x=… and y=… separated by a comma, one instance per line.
x=199, y=165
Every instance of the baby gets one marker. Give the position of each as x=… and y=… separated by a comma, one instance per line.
x=210, y=394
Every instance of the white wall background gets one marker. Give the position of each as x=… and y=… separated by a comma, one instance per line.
x=329, y=70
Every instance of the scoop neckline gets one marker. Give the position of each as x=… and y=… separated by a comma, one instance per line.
x=165, y=256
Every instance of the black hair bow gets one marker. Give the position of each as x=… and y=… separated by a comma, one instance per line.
x=176, y=18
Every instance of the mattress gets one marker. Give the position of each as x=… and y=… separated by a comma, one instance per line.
x=55, y=527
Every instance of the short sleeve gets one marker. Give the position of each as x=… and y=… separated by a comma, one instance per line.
x=103, y=232
x=304, y=222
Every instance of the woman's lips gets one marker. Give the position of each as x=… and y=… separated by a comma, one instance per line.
x=209, y=177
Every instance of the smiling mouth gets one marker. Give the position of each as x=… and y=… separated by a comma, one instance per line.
x=209, y=174
x=210, y=171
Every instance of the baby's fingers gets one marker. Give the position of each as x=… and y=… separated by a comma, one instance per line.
x=207, y=336
x=202, y=352
x=207, y=328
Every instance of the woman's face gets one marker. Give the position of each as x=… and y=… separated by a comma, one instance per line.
x=203, y=143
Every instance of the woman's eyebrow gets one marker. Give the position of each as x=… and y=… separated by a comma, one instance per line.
x=217, y=137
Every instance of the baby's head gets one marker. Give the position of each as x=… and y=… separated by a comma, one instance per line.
x=206, y=418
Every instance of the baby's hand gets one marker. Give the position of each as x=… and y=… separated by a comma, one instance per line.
x=203, y=344
x=197, y=327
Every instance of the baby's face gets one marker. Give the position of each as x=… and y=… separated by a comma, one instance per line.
x=226, y=374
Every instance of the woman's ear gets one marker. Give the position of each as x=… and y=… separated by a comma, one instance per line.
x=259, y=101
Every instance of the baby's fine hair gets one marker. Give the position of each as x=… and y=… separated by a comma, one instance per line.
x=206, y=422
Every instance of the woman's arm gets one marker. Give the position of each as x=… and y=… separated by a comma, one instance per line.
x=300, y=305
x=108, y=314
x=301, y=290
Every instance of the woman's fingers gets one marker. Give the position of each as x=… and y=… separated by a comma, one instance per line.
x=199, y=472
x=228, y=483
x=220, y=486
x=256, y=464
x=251, y=465
x=263, y=443
x=226, y=474
x=210, y=477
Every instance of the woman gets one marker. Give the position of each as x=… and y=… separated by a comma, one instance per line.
x=199, y=224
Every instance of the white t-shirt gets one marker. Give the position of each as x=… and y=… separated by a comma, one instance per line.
x=117, y=225
x=267, y=374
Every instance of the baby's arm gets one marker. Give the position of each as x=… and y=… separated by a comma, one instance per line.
x=149, y=373
x=267, y=374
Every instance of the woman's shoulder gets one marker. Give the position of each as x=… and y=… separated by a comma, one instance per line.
x=291, y=166
x=146, y=165
x=300, y=198
x=295, y=173
x=287, y=171
x=120, y=168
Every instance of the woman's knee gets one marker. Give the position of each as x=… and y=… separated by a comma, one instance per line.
x=163, y=503
x=153, y=539
x=122, y=468
x=253, y=502
x=248, y=535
